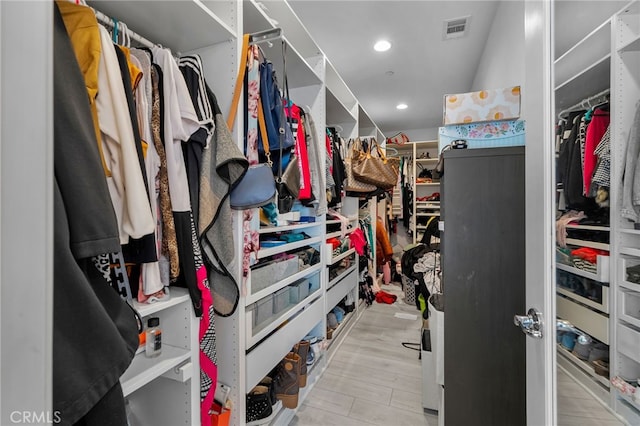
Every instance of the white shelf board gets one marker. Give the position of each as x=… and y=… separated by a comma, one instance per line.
x=272, y=350
x=592, y=80
x=629, y=319
x=337, y=112
x=341, y=276
x=426, y=215
x=338, y=234
x=335, y=221
x=628, y=341
x=589, y=227
x=583, y=54
x=425, y=144
x=252, y=298
x=601, y=274
x=631, y=46
x=592, y=322
x=629, y=401
x=630, y=231
x=585, y=243
x=427, y=160
x=629, y=251
x=178, y=295
x=292, y=27
x=602, y=307
x=339, y=290
x=293, y=227
x=266, y=252
x=341, y=256
x=630, y=286
x=192, y=24
x=336, y=85
x=583, y=365
x=427, y=183
x=143, y=370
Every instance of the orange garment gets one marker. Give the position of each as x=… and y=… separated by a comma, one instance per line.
x=384, y=251
x=82, y=27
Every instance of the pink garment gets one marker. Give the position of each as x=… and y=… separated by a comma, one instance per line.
x=358, y=241
x=293, y=112
x=596, y=129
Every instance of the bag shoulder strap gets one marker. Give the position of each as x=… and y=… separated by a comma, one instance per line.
x=231, y=118
x=236, y=99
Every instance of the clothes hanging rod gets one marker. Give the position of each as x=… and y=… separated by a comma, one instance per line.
x=265, y=36
x=586, y=102
x=106, y=20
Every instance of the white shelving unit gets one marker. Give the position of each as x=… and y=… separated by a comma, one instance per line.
x=625, y=94
x=213, y=29
x=175, y=372
x=417, y=152
x=580, y=72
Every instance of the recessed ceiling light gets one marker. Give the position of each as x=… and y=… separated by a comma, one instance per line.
x=402, y=106
x=382, y=46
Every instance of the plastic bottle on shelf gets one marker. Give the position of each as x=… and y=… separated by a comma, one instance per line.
x=153, y=344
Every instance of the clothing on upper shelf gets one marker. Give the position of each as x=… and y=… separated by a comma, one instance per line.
x=94, y=331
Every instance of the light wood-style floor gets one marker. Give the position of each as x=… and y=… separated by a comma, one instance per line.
x=576, y=407
x=374, y=380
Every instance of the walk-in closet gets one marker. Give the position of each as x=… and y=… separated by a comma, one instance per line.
x=244, y=212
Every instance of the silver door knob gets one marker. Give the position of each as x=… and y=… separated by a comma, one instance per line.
x=530, y=324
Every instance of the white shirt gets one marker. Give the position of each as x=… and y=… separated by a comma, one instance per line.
x=180, y=121
x=126, y=184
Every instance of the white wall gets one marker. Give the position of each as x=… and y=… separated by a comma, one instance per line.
x=502, y=62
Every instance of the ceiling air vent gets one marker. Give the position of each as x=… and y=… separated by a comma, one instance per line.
x=456, y=28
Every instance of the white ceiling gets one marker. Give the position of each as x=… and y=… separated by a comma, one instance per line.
x=424, y=66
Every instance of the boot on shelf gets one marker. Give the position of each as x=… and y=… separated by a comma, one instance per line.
x=287, y=380
x=259, y=409
x=302, y=348
x=268, y=383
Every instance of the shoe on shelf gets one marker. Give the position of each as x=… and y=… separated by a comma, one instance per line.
x=259, y=409
x=339, y=313
x=302, y=349
x=287, y=380
x=268, y=383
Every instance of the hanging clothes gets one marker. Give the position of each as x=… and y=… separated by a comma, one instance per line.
x=152, y=278
x=316, y=168
x=170, y=258
x=294, y=117
x=596, y=129
x=95, y=334
x=179, y=122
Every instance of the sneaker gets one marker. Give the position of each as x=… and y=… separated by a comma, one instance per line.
x=259, y=409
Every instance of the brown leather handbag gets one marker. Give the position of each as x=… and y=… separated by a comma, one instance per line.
x=377, y=169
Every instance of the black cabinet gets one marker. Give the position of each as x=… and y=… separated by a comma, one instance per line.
x=483, y=256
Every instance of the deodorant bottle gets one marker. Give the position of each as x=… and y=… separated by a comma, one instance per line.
x=153, y=345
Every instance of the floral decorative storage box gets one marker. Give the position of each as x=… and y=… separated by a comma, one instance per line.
x=485, y=105
x=484, y=135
